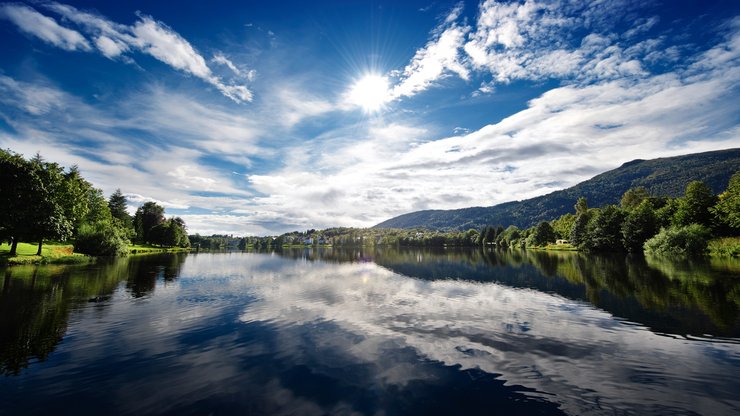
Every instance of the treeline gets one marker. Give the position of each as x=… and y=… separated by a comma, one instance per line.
x=657, y=225
x=641, y=222
x=215, y=242
x=41, y=200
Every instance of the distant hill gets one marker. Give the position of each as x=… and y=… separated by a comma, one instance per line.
x=662, y=177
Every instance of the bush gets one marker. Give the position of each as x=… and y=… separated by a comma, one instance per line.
x=101, y=239
x=689, y=240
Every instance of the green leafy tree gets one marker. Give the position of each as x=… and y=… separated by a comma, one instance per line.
x=564, y=225
x=579, y=230
x=48, y=218
x=689, y=240
x=581, y=206
x=171, y=233
x=19, y=185
x=633, y=197
x=666, y=213
x=101, y=239
x=147, y=217
x=75, y=201
x=639, y=225
x=543, y=234
x=727, y=210
x=510, y=236
x=694, y=207
x=604, y=231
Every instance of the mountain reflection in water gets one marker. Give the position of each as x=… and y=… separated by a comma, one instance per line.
x=394, y=331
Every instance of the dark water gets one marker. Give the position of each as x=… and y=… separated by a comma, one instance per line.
x=372, y=332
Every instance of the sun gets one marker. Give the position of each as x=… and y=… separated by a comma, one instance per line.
x=370, y=92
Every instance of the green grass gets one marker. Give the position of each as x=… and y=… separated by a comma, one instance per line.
x=57, y=253
x=555, y=247
x=725, y=247
x=148, y=248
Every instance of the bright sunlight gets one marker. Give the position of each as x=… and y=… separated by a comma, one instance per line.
x=370, y=92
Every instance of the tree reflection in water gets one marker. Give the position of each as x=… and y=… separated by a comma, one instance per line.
x=36, y=301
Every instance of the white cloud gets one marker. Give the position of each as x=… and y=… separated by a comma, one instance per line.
x=115, y=41
x=466, y=325
x=221, y=59
x=564, y=136
x=43, y=27
x=32, y=98
x=438, y=58
x=533, y=40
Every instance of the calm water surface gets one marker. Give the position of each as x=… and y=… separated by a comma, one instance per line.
x=372, y=332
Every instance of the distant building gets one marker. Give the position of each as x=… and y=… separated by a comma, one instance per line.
x=561, y=242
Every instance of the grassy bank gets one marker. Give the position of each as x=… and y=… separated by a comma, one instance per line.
x=50, y=253
x=148, y=248
x=59, y=253
x=725, y=247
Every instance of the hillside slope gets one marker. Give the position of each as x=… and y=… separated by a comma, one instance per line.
x=662, y=177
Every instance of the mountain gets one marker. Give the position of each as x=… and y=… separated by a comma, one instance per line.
x=662, y=177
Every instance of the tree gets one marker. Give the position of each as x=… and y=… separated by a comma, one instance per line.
x=633, y=197
x=581, y=206
x=117, y=206
x=543, y=234
x=18, y=187
x=690, y=240
x=639, y=225
x=170, y=233
x=694, y=207
x=563, y=225
x=579, y=230
x=75, y=201
x=119, y=211
x=666, y=213
x=101, y=239
x=604, y=231
x=48, y=217
x=727, y=211
x=147, y=217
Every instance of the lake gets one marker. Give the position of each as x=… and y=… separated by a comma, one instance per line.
x=386, y=331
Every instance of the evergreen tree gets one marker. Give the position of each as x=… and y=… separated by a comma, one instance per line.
x=117, y=206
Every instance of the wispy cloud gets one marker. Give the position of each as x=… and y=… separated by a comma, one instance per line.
x=441, y=56
x=43, y=27
x=221, y=59
x=117, y=41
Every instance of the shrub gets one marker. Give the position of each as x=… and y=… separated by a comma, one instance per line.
x=101, y=239
x=689, y=240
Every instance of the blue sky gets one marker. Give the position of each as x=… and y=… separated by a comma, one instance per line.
x=249, y=118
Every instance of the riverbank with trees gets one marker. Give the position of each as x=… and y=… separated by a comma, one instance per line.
x=695, y=224
x=42, y=201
